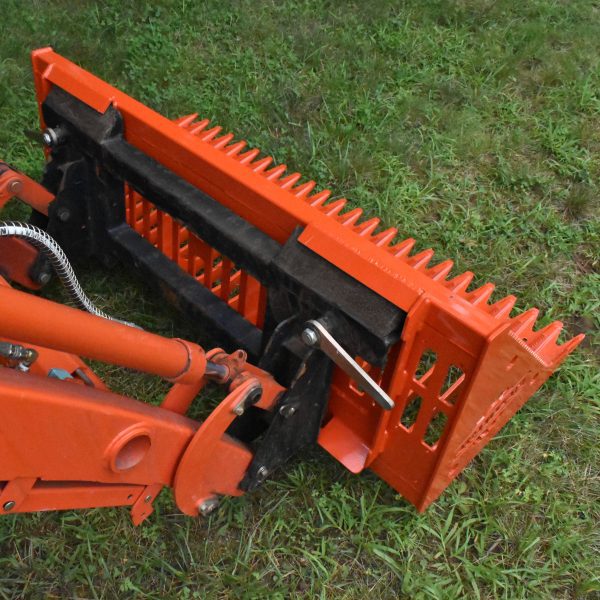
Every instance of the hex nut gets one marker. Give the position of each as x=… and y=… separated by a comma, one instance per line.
x=309, y=337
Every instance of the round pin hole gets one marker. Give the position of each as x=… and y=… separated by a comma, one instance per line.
x=132, y=452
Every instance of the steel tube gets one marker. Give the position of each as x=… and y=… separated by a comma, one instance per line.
x=37, y=321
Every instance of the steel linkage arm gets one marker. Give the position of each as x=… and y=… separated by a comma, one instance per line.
x=68, y=442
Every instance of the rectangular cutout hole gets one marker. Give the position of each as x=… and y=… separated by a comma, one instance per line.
x=435, y=429
x=411, y=412
x=454, y=379
x=426, y=364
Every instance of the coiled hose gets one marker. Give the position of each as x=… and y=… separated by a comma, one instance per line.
x=58, y=259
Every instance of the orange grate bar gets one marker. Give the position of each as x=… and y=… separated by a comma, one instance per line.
x=242, y=292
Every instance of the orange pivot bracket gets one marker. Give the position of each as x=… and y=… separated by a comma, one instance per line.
x=17, y=257
x=215, y=462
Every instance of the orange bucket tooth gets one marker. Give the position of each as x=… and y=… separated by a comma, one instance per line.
x=404, y=248
x=334, y=208
x=367, y=228
x=260, y=165
x=522, y=325
x=248, y=156
x=318, y=199
x=197, y=128
x=222, y=141
x=440, y=271
x=502, y=308
x=384, y=238
x=304, y=189
x=236, y=148
x=186, y=121
x=364, y=345
x=421, y=260
x=481, y=295
x=290, y=181
x=546, y=336
x=351, y=217
x=275, y=173
x=461, y=282
x=211, y=134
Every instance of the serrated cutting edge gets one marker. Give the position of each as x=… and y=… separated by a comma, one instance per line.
x=541, y=344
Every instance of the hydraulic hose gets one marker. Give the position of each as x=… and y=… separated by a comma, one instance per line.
x=59, y=261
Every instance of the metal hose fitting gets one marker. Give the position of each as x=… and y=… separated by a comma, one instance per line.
x=18, y=355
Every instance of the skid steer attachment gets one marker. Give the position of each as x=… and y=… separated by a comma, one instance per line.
x=387, y=361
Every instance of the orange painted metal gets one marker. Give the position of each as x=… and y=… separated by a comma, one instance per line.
x=60, y=431
x=16, y=185
x=17, y=257
x=217, y=273
x=214, y=462
x=72, y=443
x=34, y=320
x=463, y=365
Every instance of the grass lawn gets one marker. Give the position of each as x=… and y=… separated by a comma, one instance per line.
x=473, y=125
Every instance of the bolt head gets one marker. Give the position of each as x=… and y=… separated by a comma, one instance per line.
x=254, y=395
x=208, y=506
x=262, y=473
x=44, y=277
x=148, y=498
x=287, y=411
x=309, y=337
x=9, y=505
x=50, y=137
x=64, y=214
x=14, y=187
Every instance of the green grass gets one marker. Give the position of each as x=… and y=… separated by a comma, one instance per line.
x=475, y=126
